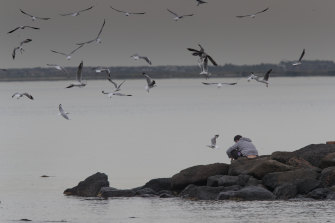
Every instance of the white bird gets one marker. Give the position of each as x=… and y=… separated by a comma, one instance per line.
x=79, y=82
x=20, y=95
x=111, y=94
x=62, y=112
x=299, y=61
x=265, y=79
x=137, y=57
x=252, y=15
x=76, y=13
x=213, y=143
x=117, y=87
x=128, y=13
x=22, y=27
x=178, y=17
x=150, y=82
x=219, y=85
x=56, y=66
x=97, y=39
x=68, y=56
x=20, y=47
x=199, y=2
x=33, y=17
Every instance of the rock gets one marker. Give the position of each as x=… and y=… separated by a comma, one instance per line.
x=328, y=177
x=285, y=191
x=197, y=175
x=249, y=193
x=319, y=193
x=145, y=192
x=299, y=163
x=165, y=194
x=257, y=167
x=226, y=180
x=273, y=180
x=204, y=192
x=282, y=157
x=328, y=161
x=212, y=181
x=90, y=187
x=159, y=184
x=106, y=192
x=314, y=153
x=305, y=186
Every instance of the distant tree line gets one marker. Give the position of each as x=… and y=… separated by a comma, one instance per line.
x=284, y=68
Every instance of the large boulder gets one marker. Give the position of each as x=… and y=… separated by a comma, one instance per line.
x=197, y=175
x=159, y=184
x=328, y=177
x=204, y=192
x=328, y=161
x=321, y=194
x=249, y=193
x=282, y=157
x=226, y=180
x=90, y=187
x=257, y=167
x=285, y=191
x=303, y=179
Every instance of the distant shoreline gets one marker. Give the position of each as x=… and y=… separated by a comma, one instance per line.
x=283, y=69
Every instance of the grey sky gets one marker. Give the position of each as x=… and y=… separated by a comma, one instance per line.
x=279, y=34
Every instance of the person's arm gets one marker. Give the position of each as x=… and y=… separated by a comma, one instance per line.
x=231, y=149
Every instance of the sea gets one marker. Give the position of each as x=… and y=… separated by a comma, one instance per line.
x=152, y=135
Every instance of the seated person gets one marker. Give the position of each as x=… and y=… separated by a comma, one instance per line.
x=242, y=147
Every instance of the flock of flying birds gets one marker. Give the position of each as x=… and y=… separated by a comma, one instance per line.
x=203, y=58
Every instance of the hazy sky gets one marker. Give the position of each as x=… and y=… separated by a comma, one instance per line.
x=279, y=34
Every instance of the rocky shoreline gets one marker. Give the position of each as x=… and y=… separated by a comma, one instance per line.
x=307, y=173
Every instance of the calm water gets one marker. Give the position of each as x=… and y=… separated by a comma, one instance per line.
x=135, y=139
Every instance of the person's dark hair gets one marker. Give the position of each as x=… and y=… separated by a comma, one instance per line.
x=237, y=137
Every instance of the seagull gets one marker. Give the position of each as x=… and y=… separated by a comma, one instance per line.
x=299, y=61
x=68, y=56
x=97, y=39
x=128, y=13
x=62, y=112
x=110, y=94
x=150, y=82
x=137, y=57
x=252, y=15
x=58, y=67
x=22, y=27
x=199, y=2
x=79, y=82
x=203, y=55
x=76, y=13
x=20, y=95
x=20, y=47
x=117, y=87
x=219, y=84
x=213, y=143
x=178, y=17
x=33, y=17
x=265, y=79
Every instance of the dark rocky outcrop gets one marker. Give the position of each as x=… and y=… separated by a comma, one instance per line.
x=159, y=184
x=197, y=175
x=106, y=192
x=90, y=187
x=258, y=167
x=328, y=177
x=320, y=193
x=226, y=180
x=249, y=193
x=204, y=192
x=285, y=191
x=328, y=161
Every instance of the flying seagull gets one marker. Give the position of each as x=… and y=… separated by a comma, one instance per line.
x=128, y=13
x=20, y=47
x=117, y=87
x=111, y=94
x=265, y=79
x=68, y=56
x=58, y=67
x=219, y=84
x=76, y=13
x=79, y=82
x=22, y=27
x=178, y=17
x=137, y=57
x=20, y=95
x=150, y=82
x=252, y=15
x=213, y=143
x=202, y=54
x=62, y=112
x=33, y=17
x=299, y=61
x=97, y=39
x=199, y=2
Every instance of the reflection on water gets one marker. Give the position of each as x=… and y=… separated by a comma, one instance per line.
x=135, y=139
